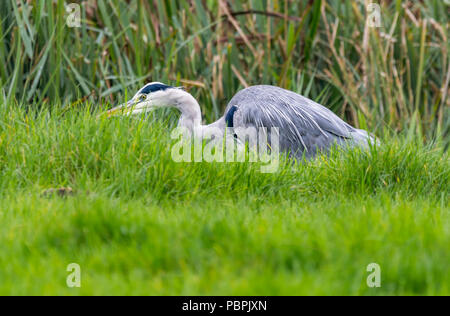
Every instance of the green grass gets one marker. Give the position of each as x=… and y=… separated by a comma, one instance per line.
x=396, y=76
x=143, y=224
x=140, y=223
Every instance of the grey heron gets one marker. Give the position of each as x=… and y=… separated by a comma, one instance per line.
x=304, y=126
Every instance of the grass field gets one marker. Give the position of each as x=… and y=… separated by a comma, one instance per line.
x=140, y=223
x=394, y=76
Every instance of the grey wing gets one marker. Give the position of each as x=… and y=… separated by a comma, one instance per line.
x=304, y=125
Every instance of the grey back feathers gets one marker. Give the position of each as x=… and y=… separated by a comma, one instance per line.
x=305, y=127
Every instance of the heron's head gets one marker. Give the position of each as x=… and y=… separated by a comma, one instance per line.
x=149, y=97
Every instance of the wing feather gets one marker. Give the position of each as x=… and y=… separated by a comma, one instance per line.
x=304, y=125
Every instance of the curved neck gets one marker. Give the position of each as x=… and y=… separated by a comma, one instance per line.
x=191, y=115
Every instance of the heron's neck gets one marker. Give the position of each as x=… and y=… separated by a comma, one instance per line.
x=191, y=116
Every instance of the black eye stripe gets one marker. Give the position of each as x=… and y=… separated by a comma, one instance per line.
x=155, y=87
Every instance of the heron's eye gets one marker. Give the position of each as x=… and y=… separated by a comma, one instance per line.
x=143, y=97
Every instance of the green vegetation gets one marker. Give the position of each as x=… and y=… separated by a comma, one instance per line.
x=139, y=223
x=395, y=76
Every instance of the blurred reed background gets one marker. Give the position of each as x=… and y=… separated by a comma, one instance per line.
x=392, y=78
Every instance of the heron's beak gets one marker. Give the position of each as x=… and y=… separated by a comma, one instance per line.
x=122, y=109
